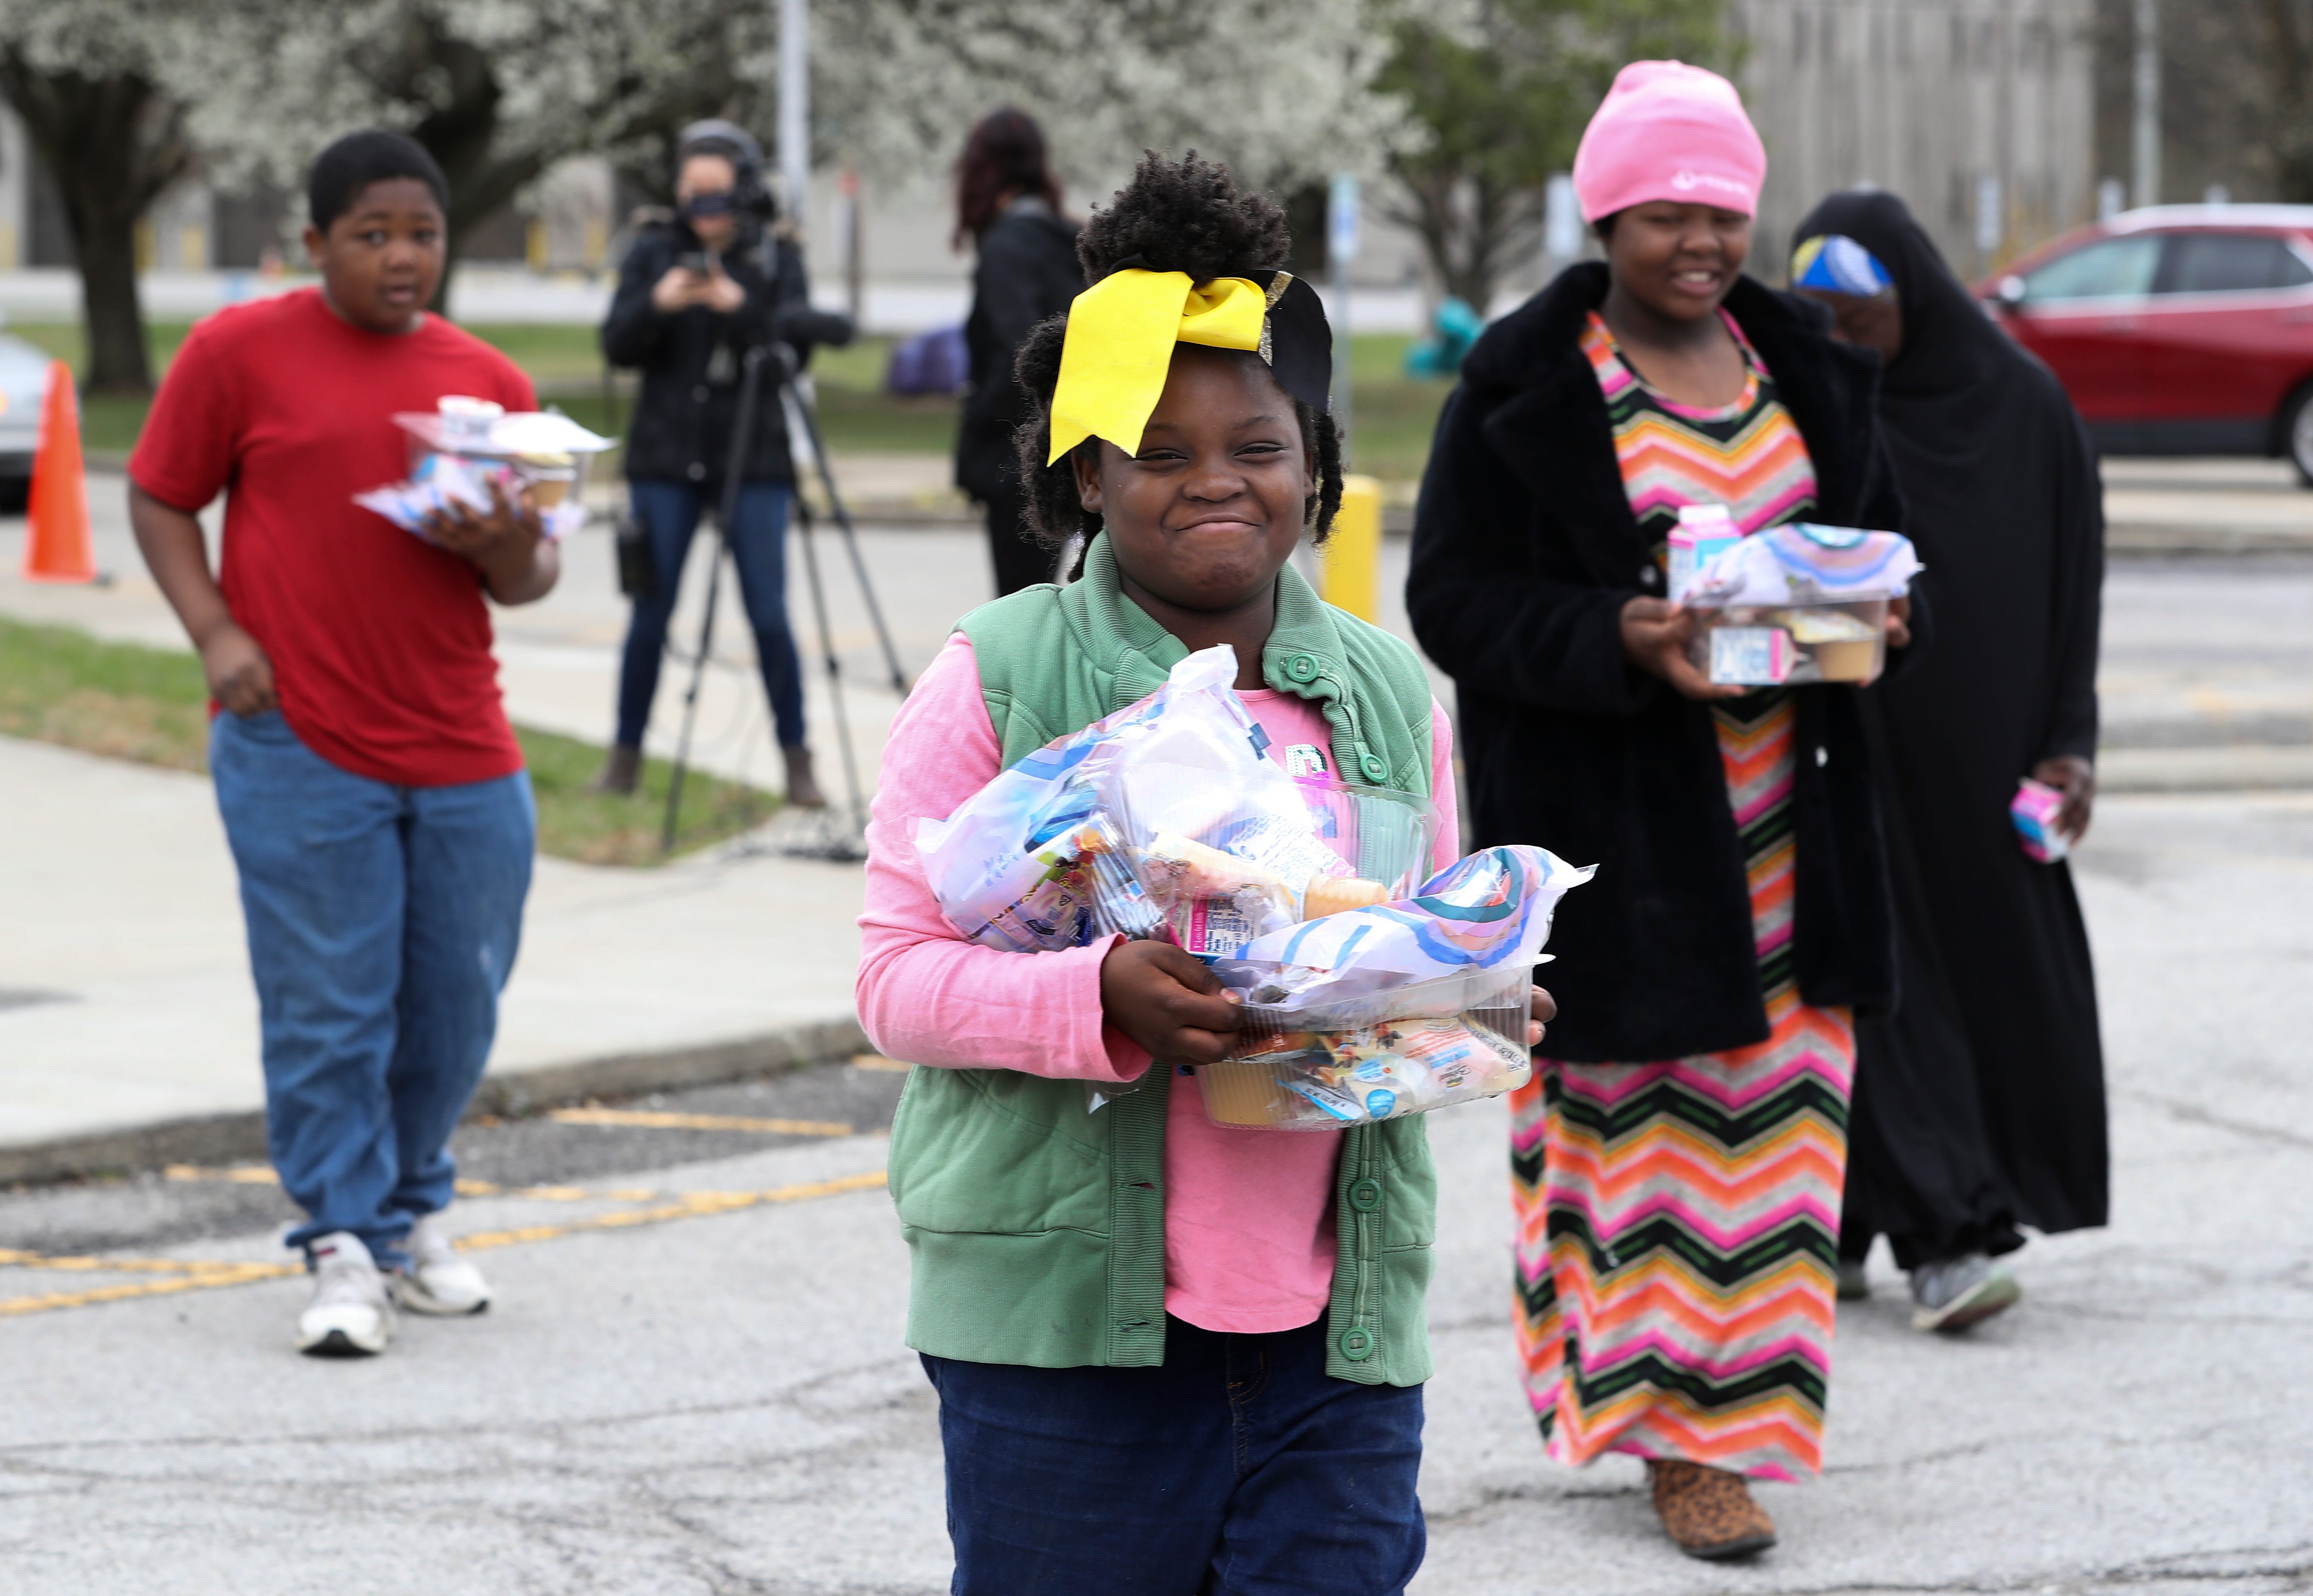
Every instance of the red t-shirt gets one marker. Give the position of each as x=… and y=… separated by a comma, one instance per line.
x=380, y=642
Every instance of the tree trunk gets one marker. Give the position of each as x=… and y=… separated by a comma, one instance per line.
x=2288, y=63
x=458, y=131
x=113, y=141
x=1468, y=227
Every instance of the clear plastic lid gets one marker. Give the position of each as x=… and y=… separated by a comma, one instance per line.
x=463, y=425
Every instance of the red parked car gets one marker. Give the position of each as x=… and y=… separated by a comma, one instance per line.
x=2177, y=329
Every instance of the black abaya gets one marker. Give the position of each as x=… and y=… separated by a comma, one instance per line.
x=1979, y=1103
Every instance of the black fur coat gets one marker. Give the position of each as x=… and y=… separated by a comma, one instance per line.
x=1524, y=551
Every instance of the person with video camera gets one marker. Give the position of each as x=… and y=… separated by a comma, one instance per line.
x=698, y=290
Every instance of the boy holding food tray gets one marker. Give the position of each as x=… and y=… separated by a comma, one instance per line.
x=372, y=790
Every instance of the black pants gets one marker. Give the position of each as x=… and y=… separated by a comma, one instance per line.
x=1021, y=561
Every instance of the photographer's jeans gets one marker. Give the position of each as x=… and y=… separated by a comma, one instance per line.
x=382, y=922
x=670, y=512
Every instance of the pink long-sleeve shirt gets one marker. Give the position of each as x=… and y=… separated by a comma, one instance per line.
x=1249, y=1239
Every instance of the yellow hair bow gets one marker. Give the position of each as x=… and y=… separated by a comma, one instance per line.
x=1118, y=348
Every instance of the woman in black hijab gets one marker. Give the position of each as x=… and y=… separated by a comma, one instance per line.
x=1973, y=1119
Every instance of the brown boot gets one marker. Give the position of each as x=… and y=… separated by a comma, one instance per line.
x=620, y=772
x=1708, y=1511
x=803, y=787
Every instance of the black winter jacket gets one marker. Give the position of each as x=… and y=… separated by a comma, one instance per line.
x=1524, y=551
x=1027, y=270
x=691, y=360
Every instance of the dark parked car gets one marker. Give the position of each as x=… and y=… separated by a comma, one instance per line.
x=2177, y=329
x=23, y=385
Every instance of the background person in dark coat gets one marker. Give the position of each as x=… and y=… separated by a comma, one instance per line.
x=695, y=292
x=1007, y=205
x=1975, y=1116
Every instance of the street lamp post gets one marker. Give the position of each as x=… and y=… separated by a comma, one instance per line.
x=1341, y=249
x=795, y=107
x=2147, y=129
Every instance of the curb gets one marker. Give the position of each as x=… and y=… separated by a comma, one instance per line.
x=223, y=1138
x=2145, y=540
x=2243, y=768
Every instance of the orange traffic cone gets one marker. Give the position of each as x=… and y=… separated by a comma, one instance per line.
x=57, y=546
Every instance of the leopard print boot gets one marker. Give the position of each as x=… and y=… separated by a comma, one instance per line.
x=1708, y=1511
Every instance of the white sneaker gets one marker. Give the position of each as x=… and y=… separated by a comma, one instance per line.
x=350, y=1315
x=439, y=1279
x=1953, y=1293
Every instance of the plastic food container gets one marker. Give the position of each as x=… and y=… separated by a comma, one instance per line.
x=1780, y=645
x=460, y=447
x=1455, y=1039
x=1794, y=603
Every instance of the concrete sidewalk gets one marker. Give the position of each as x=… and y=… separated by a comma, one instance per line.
x=129, y=1026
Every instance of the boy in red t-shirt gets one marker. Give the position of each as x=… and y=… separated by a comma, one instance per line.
x=372, y=790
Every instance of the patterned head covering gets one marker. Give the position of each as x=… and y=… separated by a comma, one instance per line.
x=1837, y=264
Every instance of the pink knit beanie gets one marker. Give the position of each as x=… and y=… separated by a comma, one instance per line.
x=1666, y=130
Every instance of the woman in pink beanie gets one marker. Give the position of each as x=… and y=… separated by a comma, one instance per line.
x=1677, y=1163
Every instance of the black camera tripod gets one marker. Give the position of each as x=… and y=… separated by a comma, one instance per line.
x=834, y=842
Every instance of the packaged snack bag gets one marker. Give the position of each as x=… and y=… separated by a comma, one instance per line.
x=1166, y=819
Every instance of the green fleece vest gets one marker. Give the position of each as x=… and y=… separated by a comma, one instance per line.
x=1035, y=1226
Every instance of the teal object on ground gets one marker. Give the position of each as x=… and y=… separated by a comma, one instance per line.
x=1454, y=330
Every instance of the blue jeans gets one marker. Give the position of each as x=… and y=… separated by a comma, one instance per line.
x=669, y=512
x=1237, y=1469
x=382, y=922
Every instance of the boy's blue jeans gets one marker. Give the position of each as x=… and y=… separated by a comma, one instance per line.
x=382, y=922
x=1237, y=1469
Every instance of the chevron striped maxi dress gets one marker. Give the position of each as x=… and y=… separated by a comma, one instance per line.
x=1678, y=1220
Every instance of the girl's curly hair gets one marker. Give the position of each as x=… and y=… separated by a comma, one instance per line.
x=1185, y=215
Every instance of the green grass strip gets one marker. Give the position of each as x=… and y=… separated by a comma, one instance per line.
x=126, y=701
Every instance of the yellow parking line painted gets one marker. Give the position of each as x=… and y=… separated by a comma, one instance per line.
x=694, y=1204
x=194, y=1275
x=655, y=1121
x=877, y=1061
x=258, y=1175
x=243, y=1174
x=205, y=1280
x=113, y=1265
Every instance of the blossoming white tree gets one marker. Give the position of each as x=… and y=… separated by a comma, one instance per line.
x=500, y=88
x=87, y=80
x=124, y=96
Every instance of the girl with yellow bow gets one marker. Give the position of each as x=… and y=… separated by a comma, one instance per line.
x=1172, y=1356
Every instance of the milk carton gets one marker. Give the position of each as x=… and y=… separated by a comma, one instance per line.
x=2035, y=809
x=1703, y=531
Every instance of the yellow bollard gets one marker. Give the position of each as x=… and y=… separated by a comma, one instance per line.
x=1351, y=556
